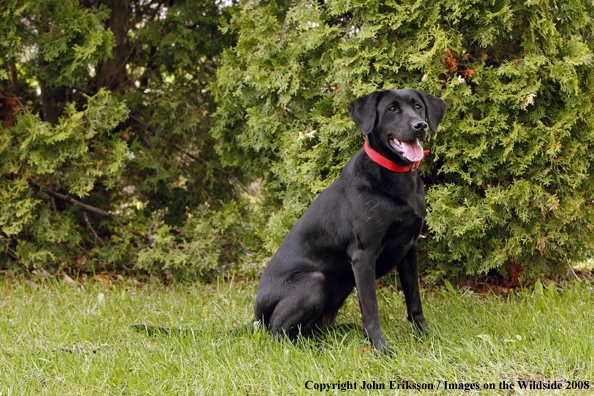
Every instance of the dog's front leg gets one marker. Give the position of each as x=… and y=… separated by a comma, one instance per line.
x=409, y=279
x=363, y=265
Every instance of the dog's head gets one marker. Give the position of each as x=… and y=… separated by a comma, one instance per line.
x=394, y=121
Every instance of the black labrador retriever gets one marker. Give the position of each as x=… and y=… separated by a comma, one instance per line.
x=361, y=227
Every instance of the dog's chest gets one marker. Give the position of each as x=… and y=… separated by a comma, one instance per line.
x=400, y=222
x=388, y=220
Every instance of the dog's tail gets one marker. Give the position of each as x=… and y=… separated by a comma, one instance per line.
x=157, y=330
x=247, y=328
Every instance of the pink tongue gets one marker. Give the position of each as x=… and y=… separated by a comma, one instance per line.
x=413, y=151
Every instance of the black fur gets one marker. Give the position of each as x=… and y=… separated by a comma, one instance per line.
x=357, y=230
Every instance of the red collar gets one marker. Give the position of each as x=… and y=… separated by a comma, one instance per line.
x=386, y=163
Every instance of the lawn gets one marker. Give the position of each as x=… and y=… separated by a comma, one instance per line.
x=75, y=339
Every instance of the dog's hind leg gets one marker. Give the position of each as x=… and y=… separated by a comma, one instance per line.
x=301, y=306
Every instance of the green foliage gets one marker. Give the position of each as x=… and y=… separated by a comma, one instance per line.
x=177, y=56
x=71, y=38
x=85, y=173
x=210, y=239
x=72, y=156
x=74, y=145
x=109, y=164
x=509, y=174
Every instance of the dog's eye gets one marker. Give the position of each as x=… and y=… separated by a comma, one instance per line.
x=392, y=108
x=418, y=107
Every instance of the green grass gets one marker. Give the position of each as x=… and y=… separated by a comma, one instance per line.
x=61, y=339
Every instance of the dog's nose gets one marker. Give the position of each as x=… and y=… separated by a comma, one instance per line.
x=419, y=125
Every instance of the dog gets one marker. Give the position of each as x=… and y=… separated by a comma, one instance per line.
x=364, y=224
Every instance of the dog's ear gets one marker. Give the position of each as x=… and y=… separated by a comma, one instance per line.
x=364, y=111
x=436, y=109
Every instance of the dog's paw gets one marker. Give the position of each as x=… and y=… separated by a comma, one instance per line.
x=420, y=324
x=386, y=350
x=422, y=327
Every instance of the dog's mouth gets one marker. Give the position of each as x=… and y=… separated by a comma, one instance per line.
x=411, y=151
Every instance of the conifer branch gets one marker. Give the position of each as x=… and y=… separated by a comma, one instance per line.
x=92, y=230
x=8, y=250
x=155, y=132
x=81, y=205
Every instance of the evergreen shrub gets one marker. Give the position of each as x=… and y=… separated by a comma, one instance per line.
x=106, y=160
x=74, y=154
x=509, y=177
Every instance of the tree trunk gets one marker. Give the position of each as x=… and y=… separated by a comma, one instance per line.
x=14, y=82
x=112, y=73
x=48, y=102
